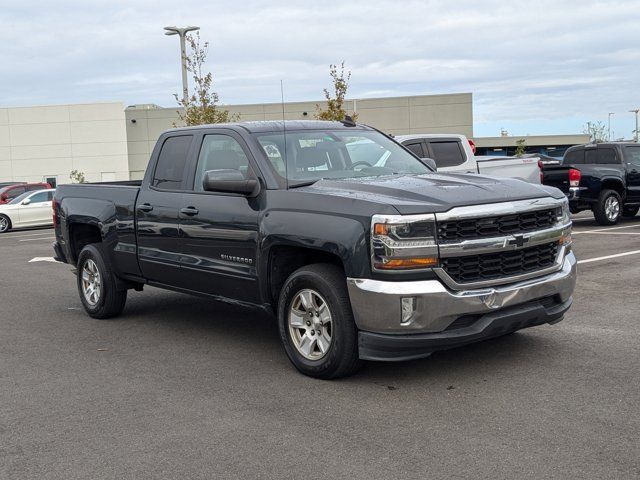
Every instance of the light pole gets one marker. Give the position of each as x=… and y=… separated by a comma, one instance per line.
x=182, y=32
x=635, y=136
x=609, y=124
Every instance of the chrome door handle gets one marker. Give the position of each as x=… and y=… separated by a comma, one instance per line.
x=191, y=211
x=145, y=207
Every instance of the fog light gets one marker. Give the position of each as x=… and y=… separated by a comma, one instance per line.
x=408, y=308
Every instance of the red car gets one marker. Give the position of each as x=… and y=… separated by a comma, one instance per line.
x=12, y=191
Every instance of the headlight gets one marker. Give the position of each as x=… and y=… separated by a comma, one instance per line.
x=564, y=218
x=403, y=242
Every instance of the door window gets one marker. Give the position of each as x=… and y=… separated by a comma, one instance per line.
x=220, y=152
x=607, y=156
x=447, y=154
x=169, y=172
x=633, y=155
x=416, y=148
x=39, y=197
x=15, y=192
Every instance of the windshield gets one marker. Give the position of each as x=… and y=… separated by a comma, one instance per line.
x=20, y=198
x=312, y=155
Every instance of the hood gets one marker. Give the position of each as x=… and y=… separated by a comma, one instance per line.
x=432, y=193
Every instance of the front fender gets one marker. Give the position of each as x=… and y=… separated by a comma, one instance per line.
x=343, y=237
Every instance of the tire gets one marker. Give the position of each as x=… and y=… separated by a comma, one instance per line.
x=5, y=224
x=106, y=301
x=630, y=212
x=608, y=209
x=319, y=284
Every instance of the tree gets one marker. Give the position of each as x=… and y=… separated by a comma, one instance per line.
x=521, y=148
x=335, y=105
x=201, y=107
x=597, y=130
x=77, y=176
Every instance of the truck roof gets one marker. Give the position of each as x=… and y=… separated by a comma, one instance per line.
x=277, y=126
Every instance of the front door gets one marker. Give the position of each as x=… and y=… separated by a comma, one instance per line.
x=38, y=211
x=157, y=210
x=219, y=232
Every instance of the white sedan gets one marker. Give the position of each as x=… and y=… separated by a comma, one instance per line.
x=31, y=209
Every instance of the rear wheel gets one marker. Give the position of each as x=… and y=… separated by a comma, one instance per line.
x=97, y=284
x=316, y=323
x=5, y=224
x=608, y=209
x=630, y=211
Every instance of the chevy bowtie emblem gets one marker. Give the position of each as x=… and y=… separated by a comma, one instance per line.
x=518, y=240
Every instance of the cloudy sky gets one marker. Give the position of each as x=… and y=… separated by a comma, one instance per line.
x=534, y=67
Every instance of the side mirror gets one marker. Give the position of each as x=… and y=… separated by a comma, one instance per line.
x=431, y=163
x=230, y=181
x=26, y=201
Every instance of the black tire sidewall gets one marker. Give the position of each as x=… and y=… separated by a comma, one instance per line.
x=343, y=327
x=91, y=252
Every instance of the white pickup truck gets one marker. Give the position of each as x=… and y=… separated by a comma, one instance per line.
x=453, y=153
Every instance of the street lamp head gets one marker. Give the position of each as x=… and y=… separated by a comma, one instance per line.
x=179, y=31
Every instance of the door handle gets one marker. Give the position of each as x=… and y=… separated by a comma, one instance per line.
x=191, y=211
x=145, y=207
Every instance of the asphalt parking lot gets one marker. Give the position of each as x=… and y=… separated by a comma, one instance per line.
x=183, y=387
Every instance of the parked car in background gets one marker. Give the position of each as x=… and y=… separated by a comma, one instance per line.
x=7, y=184
x=14, y=190
x=454, y=153
x=601, y=177
x=31, y=209
x=361, y=250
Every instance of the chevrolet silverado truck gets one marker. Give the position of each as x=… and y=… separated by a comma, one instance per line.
x=601, y=177
x=357, y=259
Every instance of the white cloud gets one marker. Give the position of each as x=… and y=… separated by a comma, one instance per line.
x=523, y=61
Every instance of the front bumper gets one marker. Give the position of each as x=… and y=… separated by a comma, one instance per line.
x=444, y=318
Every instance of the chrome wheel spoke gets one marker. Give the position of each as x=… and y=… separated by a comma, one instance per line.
x=91, y=282
x=310, y=322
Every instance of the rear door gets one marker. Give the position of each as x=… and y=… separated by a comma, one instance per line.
x=220, y=231
x=632, y=159
x=157, y=209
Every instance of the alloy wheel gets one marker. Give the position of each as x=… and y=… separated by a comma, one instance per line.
x=612, y=208
x=91, y=282
x=310, y=324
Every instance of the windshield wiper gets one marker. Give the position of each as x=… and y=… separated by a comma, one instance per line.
x=304, y=183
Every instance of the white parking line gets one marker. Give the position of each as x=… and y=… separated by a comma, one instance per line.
x=607, y=257
x=36, y=239
x=42, y=259
x=20, y=235
x=636, y=225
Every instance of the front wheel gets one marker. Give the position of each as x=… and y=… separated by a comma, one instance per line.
x=608, y=209
x=5, y=224
x=316, y=322
x=630, y=212
x=97, y=284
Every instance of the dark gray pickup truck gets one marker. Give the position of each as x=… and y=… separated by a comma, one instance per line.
x=358, y=247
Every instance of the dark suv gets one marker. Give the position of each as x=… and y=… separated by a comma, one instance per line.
x=12, y=191
x=602, y=177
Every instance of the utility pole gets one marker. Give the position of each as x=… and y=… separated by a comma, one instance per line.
x=609, y=123
x=635, y=132
x=182, y=32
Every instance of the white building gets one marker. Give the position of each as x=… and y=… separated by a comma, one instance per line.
x=47, y=143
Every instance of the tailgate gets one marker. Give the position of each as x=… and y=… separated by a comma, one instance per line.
x=556, y=176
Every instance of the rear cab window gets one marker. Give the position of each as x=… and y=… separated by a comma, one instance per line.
x=170, y=170
x=607, y=156
x=574, y=157
x=632, y=155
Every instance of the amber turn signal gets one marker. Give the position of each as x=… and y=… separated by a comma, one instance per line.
x=407, y=263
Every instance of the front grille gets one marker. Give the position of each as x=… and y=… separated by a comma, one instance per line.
x=489, y=266
x=496, y=226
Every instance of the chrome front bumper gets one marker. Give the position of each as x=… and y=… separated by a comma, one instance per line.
x=377, y=305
